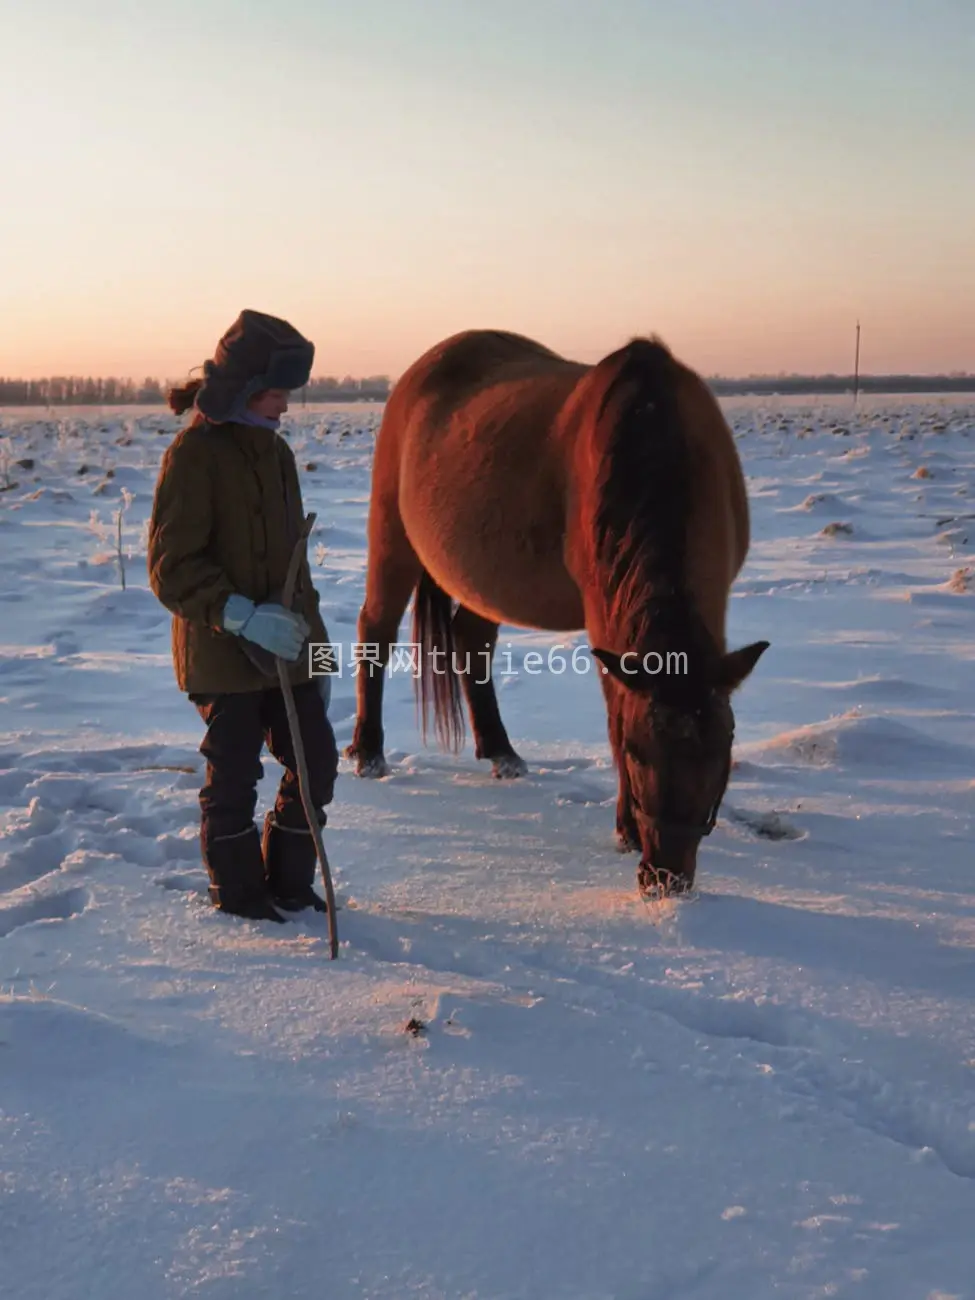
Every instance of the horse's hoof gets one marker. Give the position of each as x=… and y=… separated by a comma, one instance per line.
x=625, y=843
x=372, y=767
x=508, y=767
x=655, y=884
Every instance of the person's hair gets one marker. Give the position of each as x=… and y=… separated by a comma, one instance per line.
x=181, y=399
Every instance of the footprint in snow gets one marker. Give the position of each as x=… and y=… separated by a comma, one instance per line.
x=767, y=826
x=183, y=882
x=48, y=907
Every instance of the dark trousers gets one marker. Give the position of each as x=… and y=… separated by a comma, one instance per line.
x=238, y=727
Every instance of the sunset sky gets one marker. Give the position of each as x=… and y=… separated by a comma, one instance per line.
x=743, y=177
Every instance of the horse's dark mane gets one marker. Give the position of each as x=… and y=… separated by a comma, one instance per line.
x=642, y=504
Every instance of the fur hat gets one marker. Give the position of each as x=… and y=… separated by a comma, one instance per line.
x=257, y=352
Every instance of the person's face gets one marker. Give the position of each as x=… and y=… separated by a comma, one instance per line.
x=272, y=403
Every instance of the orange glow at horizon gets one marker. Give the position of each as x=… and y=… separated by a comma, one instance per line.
x=746, y=187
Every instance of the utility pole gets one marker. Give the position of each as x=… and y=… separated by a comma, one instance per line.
x=856, y=367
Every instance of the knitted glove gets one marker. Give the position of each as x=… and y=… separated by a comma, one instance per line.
x=270, y=626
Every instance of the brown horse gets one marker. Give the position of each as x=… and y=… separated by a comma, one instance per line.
x=511, y=485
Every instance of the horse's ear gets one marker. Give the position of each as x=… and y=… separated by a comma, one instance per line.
x=735, y=666
x=635, y=679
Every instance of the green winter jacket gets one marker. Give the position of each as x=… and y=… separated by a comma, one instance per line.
x=225, y=517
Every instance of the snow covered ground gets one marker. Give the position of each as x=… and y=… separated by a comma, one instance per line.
x=768, y=1090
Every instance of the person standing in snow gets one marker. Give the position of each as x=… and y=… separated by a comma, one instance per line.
x=226, y=515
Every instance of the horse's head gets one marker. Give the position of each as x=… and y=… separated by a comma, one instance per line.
x=673, y=750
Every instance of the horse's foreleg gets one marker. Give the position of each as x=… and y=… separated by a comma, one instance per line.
x=627, y=831
x=475, y=639
x=392, y=574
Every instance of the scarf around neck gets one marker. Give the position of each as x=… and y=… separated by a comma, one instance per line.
x=260, y=421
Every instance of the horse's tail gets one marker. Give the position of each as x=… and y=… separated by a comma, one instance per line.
x=438, y=683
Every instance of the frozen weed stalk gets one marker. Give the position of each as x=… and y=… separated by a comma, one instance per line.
x=102, y=532
x=6, y=482
x=127, y=499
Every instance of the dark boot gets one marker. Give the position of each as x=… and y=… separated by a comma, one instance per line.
x=290, y=860
x=236, y=869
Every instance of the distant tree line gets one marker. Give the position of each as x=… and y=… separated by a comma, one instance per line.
x=374, y=388
x=73, y=390
x=76, y=391
x=769, y=385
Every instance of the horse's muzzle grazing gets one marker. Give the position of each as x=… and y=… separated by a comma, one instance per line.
x=669, y=861
x=666, y=875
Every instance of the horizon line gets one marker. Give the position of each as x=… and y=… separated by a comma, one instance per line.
x=388, y=378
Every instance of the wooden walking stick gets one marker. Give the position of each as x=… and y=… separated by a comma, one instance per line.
x=296, y=741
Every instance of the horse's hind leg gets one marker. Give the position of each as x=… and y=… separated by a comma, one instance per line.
x=475, y=639
x=392, y=573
